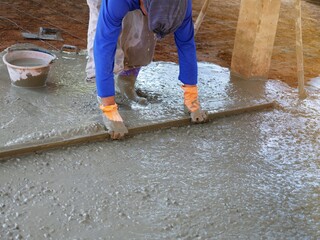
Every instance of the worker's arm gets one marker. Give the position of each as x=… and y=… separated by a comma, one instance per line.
x=184, y=38
x=108, y=29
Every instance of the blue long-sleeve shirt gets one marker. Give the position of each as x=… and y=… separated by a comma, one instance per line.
x=108, y=30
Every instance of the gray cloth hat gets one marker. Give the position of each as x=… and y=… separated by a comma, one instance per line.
x=165, y=16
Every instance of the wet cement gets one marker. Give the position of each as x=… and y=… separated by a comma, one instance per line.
x=67, y=106
x=251, y=176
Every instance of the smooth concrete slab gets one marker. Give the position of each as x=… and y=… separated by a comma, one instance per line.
x=67, y=106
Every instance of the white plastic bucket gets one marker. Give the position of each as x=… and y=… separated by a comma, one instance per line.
x=28, y=68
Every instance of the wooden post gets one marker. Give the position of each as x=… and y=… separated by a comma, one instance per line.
x=255, y=35
x=299, y=51
x=201, y=16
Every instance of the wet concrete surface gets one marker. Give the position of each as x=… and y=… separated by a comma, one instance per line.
x=67, y=106
x=251, y=176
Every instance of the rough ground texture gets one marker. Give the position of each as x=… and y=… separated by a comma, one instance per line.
x=252, y=176
x=214, y=40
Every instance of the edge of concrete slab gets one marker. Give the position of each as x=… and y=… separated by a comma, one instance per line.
x=23, y=149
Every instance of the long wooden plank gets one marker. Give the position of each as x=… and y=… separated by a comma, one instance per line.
x=23, y=149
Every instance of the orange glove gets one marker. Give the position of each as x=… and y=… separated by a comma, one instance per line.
x=111, y=112
x=113, y=121
x=192, y=105
x=191, y=97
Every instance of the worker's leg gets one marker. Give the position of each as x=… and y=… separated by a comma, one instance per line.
x=125, y=85
x=135, y=49
x=94, y=6
x=136, y=40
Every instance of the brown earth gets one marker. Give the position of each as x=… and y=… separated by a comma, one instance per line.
x=214, y=40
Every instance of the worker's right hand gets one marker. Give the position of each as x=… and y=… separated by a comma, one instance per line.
x=113, y=121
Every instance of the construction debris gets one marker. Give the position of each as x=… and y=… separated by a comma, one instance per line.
x=45, y=34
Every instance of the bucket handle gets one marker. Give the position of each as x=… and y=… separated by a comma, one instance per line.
x=21, y=48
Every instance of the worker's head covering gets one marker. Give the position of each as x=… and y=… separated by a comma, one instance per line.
x=165, y=16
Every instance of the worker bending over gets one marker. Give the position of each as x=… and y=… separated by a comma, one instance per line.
x=125, y=38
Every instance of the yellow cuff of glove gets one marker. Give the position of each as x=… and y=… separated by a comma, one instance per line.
x=111, y=112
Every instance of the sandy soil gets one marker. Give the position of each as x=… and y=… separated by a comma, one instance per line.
x=214, y=40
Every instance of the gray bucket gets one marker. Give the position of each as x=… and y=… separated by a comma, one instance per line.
x=28, y=67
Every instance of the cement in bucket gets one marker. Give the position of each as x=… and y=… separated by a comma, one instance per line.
x=28, y=68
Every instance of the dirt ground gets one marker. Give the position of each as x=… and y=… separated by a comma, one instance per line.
x=215, y=38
